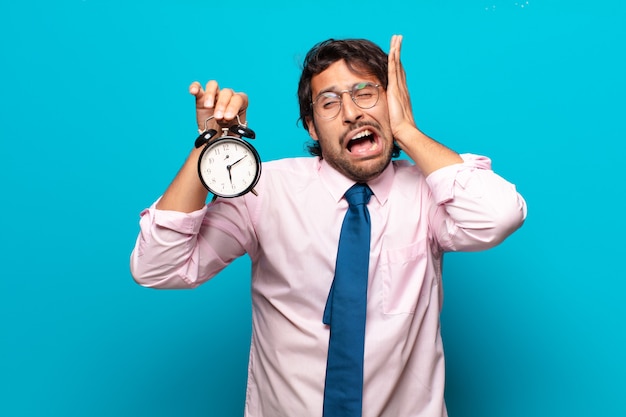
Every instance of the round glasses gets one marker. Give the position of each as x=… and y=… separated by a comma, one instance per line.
x=327, y=104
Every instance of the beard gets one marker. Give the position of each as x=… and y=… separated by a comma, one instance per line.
x=365, y=169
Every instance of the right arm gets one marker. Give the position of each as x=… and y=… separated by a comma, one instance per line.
x=178, y=246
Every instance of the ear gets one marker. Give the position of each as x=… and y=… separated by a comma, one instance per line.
x=311, y=126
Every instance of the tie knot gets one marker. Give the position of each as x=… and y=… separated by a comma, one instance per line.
x=358, y=194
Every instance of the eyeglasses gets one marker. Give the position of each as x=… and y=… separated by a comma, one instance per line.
x=328, y=104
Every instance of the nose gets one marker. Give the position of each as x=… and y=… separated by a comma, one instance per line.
x=350, y=111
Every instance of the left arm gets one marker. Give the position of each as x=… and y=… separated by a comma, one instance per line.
x=475, y=208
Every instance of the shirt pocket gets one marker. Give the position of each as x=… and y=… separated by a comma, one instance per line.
x=403, y=271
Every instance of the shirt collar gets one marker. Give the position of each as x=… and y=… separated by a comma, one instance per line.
x=337, y=184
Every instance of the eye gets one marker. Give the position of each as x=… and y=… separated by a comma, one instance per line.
x=363, y=89
x=328, y=100
x=365, y=94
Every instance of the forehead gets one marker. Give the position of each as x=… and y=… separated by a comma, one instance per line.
x=338, y=76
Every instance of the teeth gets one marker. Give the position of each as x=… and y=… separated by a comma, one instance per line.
x=362, y=134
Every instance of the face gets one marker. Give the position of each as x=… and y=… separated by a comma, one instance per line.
x=357, y=142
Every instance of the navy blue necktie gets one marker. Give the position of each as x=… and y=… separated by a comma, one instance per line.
x=345, y=310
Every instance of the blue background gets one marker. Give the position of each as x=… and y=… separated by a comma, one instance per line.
x=95, y=120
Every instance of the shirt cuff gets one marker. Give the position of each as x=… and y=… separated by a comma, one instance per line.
x=443, y=180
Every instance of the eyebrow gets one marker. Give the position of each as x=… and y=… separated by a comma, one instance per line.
x=334, y=89
x=331, y=89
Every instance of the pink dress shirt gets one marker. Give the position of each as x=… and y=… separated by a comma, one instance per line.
x=291, y=231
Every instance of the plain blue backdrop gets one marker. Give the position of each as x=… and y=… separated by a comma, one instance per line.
x=95, y=120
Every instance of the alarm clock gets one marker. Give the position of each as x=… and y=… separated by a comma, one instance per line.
x=228, y=166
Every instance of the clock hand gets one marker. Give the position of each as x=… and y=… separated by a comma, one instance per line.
x=230, y=176
x=230, y=166
x=236, y=162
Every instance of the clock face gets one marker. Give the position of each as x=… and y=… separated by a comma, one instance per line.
x=229, y=167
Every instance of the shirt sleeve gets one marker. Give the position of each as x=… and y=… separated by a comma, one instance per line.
x=475, y=208
x=183, y=250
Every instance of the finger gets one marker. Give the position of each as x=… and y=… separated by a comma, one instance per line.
x=229, y=104
x=396, y=70
x=237, y=105
x=398, y=46
x=401, y=71
x=222, y=101
x=195, y=88
x=392, y=62
x=394, y=47
x=211, y=91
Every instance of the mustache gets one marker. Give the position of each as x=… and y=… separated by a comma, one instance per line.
x=358, y=125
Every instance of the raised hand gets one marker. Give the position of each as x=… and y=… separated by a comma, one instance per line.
x=399, y=102
x=223, y=104
x=428, y=154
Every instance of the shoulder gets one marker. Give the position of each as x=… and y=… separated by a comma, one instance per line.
x=290, y=170
x=409, y=183
x=288, y=174
x=297, y=164
x=284, y=183
x=406, y=171
x=404, y=165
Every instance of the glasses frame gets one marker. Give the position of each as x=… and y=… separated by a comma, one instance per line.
x=340, y=96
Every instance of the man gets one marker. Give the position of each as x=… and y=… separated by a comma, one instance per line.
x=355, y=105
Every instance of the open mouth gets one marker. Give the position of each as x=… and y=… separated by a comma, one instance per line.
x=364, y=141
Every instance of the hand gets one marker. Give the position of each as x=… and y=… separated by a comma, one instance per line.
x=428, y=154
x=224, y=104
x=398, y=100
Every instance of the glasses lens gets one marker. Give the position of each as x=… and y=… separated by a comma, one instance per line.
x=365, y=95
x=327, y=104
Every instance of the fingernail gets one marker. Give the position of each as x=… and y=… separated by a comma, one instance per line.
x=208, y=103
x=218, y=114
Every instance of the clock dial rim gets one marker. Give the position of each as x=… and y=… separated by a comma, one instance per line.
x=240, y=142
